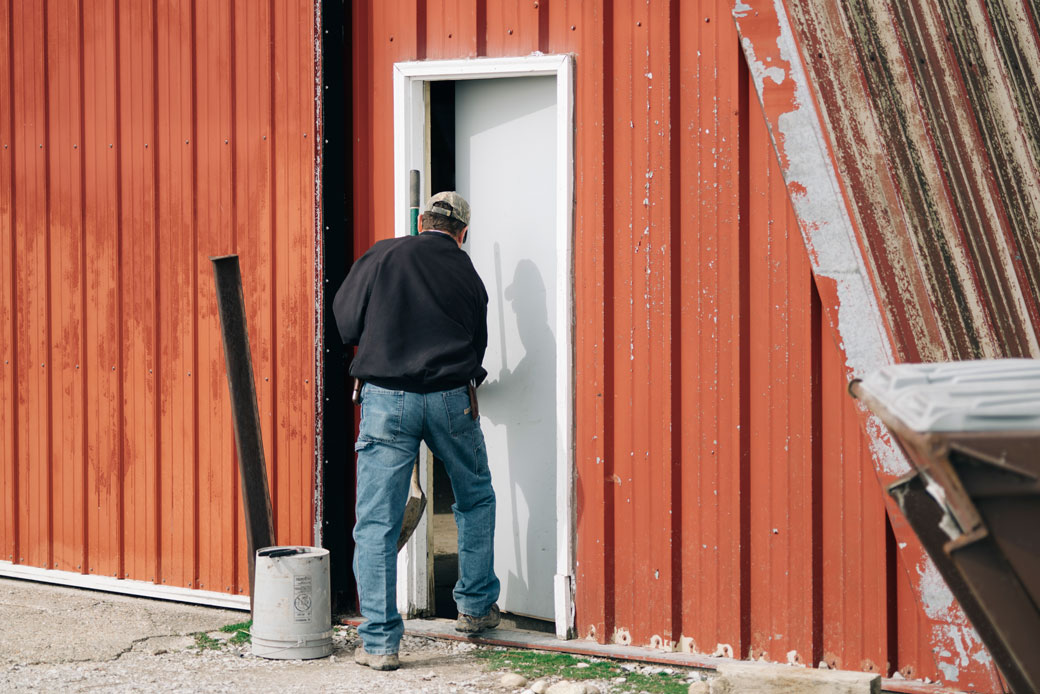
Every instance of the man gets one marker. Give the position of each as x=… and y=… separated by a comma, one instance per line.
x=417, y=311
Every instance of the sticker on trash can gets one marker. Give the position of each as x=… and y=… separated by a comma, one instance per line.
x=302, y=601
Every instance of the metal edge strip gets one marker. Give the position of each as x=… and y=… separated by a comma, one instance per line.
x=143, y=589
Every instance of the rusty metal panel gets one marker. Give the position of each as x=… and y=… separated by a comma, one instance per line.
x=931, y=111
x=139, y=139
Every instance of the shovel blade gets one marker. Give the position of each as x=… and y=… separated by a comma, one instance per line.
x=413, y=509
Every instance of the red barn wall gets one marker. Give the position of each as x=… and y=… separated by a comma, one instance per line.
x=726, y=493
x=139, y=139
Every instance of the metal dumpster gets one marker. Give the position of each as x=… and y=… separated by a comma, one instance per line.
x=971, y=430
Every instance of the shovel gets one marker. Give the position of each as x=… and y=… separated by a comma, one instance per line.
x=416, y=503
x=413, y=508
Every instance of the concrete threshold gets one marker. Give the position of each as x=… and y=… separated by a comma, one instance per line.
x=519, y=638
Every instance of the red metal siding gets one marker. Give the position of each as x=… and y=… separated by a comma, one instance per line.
x=138, y=140
x=726, y=494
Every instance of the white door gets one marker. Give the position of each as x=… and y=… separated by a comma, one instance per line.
x=505, y=158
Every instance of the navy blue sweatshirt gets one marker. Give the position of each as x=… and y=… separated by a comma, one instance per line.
x=417, y=311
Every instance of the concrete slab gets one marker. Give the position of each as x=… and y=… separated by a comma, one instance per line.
x=736, y=678
x=53, y=624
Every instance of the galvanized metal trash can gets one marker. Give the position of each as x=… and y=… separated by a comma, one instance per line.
x=972, y=432
x=292, y=606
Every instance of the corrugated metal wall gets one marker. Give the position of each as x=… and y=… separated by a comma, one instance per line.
x=726, y=493
x=933, y=114
x=140, y=138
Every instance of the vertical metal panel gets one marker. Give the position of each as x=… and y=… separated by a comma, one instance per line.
x=139, y=139
x=103, y=307
x=855, y=564
x=780, y=348
x=139, y=284
x=8, y=369
x=726, y=499
x=67, y=286
x=32, y=235
x=711, y=131
x=590, y=25
x=211, y=163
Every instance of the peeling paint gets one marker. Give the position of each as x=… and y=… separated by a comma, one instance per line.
x=844, y=277
x=722, y=650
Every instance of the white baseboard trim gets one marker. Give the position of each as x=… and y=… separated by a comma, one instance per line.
x=125, y=586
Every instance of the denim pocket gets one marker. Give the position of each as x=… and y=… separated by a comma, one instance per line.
x=460, y=416
x=381, y=414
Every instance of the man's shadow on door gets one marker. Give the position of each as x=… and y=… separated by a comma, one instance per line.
x=524, y=401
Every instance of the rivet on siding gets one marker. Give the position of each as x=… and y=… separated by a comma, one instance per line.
x=391, y=41
x=146, y=145
x=573, y=27
x=113, y=368
x=225, y=141
x=266, y=378
x=75, y=146
x=707, y=20
x=510, y=32
x=536, y=6
x=189, y=373
x=185, y=142
x=449, y=36
x=41, y=146
x=305, y=134
x=265, y=137
x=110, y=145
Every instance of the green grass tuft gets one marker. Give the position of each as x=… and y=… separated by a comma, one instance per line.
x=204, y=641
x=535, y=664
x=240, y=631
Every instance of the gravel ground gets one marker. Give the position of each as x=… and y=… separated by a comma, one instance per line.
x=174, y=664
x=57, y=639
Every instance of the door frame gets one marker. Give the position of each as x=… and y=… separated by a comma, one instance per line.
x=410, y=79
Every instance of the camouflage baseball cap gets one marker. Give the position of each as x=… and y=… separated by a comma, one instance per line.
x=449, y=204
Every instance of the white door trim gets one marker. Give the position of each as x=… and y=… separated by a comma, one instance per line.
x=409, y=128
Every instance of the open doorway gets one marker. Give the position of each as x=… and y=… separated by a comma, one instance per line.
x=337, y=412
x=503, y=140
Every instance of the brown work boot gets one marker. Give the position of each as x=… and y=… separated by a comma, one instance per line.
x=469, y=624
x=384, y=661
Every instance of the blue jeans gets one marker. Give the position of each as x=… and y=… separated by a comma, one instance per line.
x=393, y=422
